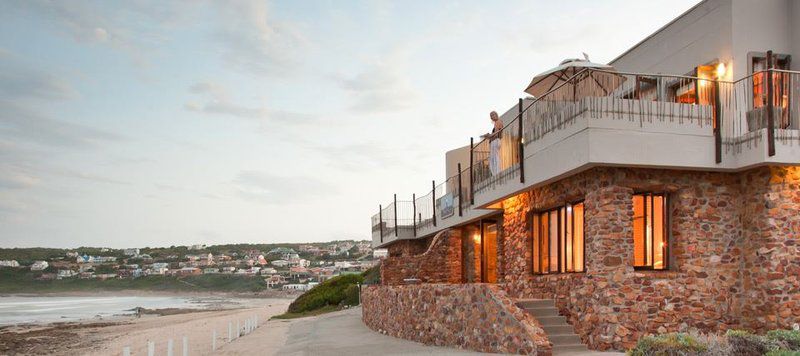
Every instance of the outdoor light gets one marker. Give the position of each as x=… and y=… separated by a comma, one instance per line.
x=721, y=70
x=476, y=238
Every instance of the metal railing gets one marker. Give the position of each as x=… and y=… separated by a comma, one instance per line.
x=735, y=112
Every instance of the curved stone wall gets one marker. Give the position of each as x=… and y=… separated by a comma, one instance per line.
x=478, y=317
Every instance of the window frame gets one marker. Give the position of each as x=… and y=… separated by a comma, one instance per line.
x=666, y=229
x=561, y=210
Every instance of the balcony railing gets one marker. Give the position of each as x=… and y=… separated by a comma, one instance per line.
x=735, y=112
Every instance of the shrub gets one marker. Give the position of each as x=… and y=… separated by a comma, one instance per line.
x=332, y=292
x=747, y=344
x=789, y=339
x=668, y=345
x=783, y=353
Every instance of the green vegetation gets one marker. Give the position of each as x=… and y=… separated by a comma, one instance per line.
x=331, y=295
x=668, y=344
x=373, y=275
x=23, y=281
x=734, y=342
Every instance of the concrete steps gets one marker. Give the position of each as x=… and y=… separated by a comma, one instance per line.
x=561, y=334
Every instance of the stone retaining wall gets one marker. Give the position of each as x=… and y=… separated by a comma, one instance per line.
x=478, y=317
x=440, y=263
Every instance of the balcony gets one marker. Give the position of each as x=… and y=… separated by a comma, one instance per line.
x=599, y=117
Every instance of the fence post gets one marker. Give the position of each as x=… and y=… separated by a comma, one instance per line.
x=717, y=123
x=380, y=217
x=770, y=109
x=230, y=331
x=170, y=347
x=433, y=200
x=126, y=351
x=521, y=145
x=471, y=177
x=214, y=340
x=396, y=227
x=459, y=189
x=151, y=348
x=185, y=346
x=414, y=215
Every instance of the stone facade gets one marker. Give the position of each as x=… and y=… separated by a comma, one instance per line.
x=440, y=263
x=478, y=317
x=735, y=260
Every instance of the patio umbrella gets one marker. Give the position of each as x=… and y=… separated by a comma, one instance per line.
x=593, y=79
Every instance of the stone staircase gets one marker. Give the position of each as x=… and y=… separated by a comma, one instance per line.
x=561, y=334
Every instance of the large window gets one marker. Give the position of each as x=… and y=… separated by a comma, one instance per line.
x=558, y=240
x=650, y=231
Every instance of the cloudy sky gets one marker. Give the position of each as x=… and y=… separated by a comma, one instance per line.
x=151, y=123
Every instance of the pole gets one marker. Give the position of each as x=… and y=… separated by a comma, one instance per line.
x=170, y=346
x=151, y=348
x=395, y=216
x=770, y=109
x=521, y=145
x=214, y=340
x=471, y=177
x=433, y=200
x=414, y=216
x=185, y=346
x=717, y=123
x=380, y=217
x=126, y=351
x=230, y=331
x=459, y=190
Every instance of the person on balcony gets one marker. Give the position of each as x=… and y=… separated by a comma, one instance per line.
x=494, y=143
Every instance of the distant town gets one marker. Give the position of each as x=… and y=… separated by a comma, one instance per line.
x=288, y=267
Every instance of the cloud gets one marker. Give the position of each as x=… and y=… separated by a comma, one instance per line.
x=16, y=180
x=357, y=157
x=383, y=86
x=217, y=101
x=21, y=124
x=252, y=40
x=267, y=188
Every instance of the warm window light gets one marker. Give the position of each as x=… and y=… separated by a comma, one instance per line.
x=721, y=70
x=476, y=238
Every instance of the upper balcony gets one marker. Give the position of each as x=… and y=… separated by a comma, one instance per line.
x=603, y=117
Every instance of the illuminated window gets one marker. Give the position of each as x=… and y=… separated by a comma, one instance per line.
x=558, y=240
x=780, y=85
x=650, y=237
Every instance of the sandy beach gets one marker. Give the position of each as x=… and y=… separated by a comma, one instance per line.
x=110, y=336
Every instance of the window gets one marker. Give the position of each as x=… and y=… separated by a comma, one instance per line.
x=558, y=244
x=780, y=85
x=650, y=232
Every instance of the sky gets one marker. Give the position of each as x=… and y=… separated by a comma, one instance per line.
x=157, y=123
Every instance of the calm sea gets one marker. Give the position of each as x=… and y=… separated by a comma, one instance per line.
x=23, y=310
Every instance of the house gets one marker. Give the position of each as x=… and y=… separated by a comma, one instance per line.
x=299, y=287
x=268, y=271
x=9, y=263
x=95, y=259
x=210, y=270
x=188, y=271
x=280, y=251
x=228, y=269
x=280, y=263
x=72, y=254
x=197, y=247
x=657, y=193
x=66, y=273
x=274, y=280
x=132, y=252
x=39, y=265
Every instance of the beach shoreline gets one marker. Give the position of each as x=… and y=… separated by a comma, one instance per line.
x=109, y=335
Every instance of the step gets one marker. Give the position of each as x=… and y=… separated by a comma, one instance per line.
x=558, y=329
x=536, y=303
x=552, y=320
x=564, y=349
x=542, y=312
x=565, y=339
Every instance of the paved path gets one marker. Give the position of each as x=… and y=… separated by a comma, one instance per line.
x=338, y=333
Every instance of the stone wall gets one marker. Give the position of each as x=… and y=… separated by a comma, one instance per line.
x=478, y=317
x=440, y=263
x=612, y=305
x=771, y=268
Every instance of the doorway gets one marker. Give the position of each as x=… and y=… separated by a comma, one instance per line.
x=488, y=251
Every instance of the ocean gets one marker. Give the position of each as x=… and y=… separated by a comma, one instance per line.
x=29, y=310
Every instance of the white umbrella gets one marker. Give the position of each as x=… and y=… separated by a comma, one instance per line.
x=593, y=79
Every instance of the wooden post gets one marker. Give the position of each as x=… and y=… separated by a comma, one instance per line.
x=459, y=189
x=414, y=215
x=433, y=200
x=770, y=108
x=717, y=123
x=471, y=177
x=521, y=145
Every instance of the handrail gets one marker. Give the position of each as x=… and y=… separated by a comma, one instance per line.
x=730, y=98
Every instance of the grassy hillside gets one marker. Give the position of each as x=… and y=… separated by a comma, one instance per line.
x=22, y=281
x=331, y=295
